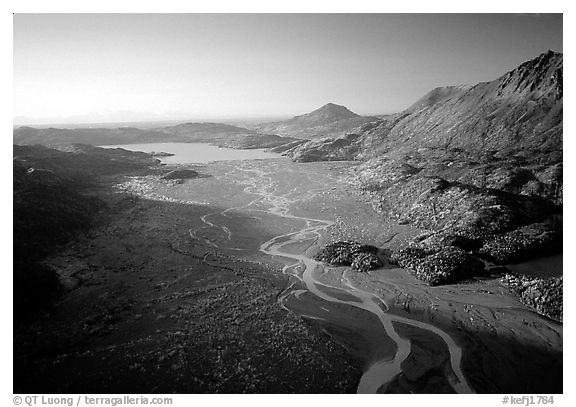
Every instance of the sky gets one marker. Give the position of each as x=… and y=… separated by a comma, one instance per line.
x=90, y=68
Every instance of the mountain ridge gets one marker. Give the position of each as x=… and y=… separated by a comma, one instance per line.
x=437, y=95
x=520, y=110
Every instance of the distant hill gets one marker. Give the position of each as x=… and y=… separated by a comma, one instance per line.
x=328, y=113
x=216, y=133
x=330, y=120
x=201, y=131
x=224, y=135
x=95, y=136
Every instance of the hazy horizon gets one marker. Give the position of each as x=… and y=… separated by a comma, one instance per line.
x=113, y=68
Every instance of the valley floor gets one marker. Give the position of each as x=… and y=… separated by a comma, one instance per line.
x=207, y=286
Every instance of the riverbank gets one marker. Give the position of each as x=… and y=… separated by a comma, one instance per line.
x=205, y=258
x=152, y=310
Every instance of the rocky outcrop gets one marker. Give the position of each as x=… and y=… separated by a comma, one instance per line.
x=324, y=149
x=160, y=154
x=181, y=174
x=366, y=261
x=545, y=295
x=531, y=241
x=360, y=257
x=453, y=254
x=438, y=264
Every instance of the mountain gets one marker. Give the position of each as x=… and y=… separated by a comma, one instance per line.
x=330, y=120
x=518, y=111
x=328, y=113
x=518, y=114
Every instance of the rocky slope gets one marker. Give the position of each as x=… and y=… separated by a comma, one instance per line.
x=330, y=120
x=437, y=96
x=327, y=149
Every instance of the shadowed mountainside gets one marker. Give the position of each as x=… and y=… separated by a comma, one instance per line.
x=52, y=202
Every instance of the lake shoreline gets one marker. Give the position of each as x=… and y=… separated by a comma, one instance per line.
x=194, y=152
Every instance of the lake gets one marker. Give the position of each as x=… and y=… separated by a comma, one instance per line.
x=188, y=153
